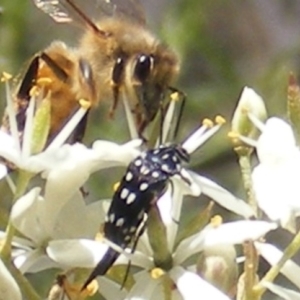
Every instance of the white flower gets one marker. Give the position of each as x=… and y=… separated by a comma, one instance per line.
x=187, y=282
x=249, y=102
x=272, y=255
x=8, y=286
x=275, y=179
x=284, y=293
x=34, y=216
x=170, y=209
x=19, y=154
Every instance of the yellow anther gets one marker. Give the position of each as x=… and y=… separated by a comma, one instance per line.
x=43, y=81
x=174, y=96
x=85, y=103
x=234, y=136
x=91, y=289
x=216, y=221
x=116, y=186
x=157, y=273
x=220, y=120
x=208, y=123
x=34, y=91
x=99, y=237
x=5, y=76
x=245, y=110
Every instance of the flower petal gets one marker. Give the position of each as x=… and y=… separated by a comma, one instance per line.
x=229, y=233
x=191, y=285
x=282, y=292
x=76, y=253
x=8, y=286
x=110, y=290
x=34, y=261
x=222, y=196
x=144, y=287
x=272, y=255
x=25, y=218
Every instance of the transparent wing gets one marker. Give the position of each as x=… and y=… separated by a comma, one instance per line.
x=55, y=9
x=84, y=11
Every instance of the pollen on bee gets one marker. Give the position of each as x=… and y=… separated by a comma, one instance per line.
x=157, y=273
x=43, y=81
x=5, y=76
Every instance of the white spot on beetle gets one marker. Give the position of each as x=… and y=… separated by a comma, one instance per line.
x=130, y=198
x=144, y=186
x=120, y=222
x=128, y=176
x=124, y=193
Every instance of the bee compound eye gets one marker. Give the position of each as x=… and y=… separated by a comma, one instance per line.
x=143, y=67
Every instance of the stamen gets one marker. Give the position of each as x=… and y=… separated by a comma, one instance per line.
x=11, y=112
x=86, y=104
x=116, y=186
x=208, y=123
x=168, y=121
x=258, y=123
x=220, y=120
x=64, y=134
x=175, y=96
x=157, y=273
x=216, y=221
x=130, y=120
x=199, y=137
x=27, y=136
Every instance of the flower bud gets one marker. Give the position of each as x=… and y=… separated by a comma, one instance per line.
x=249, y=102
x=217, y=265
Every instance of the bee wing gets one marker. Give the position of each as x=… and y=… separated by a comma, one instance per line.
x=83, y=11
x=55, y=9
x=131, y=10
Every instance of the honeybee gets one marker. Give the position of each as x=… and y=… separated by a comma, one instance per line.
x=116, y=57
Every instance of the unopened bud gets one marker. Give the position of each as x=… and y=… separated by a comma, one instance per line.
x=249, y=103
x=217, y=264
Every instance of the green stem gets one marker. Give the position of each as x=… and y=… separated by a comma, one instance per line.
x=5, y=250
x=158, y=239
x=245, y=165
x=22, y=183
x=288, y=253
x=25, y=286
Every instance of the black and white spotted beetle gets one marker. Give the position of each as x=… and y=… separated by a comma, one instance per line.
x=145, y=181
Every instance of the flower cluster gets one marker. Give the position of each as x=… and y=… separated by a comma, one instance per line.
x=51, y=225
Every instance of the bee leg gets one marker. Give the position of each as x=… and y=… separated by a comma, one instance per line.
x=57, y=70
x=23, y=94
x=28, y=80
x=115, y=103
x=78, y=132
x=80, y=129
x=117, y=79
